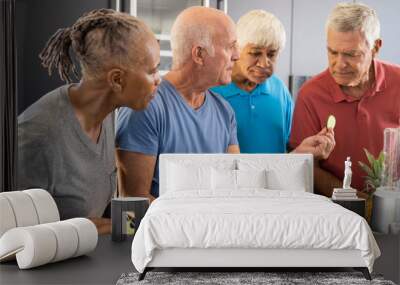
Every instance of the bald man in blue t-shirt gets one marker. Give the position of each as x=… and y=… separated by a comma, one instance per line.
x=185, y=117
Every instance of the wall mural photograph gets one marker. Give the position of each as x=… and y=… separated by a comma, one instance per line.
x=199, y=141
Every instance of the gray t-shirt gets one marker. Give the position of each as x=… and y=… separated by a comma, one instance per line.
x=55, y=154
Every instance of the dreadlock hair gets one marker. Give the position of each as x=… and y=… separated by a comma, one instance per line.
x=95, y=38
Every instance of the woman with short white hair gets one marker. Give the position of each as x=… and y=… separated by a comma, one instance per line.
x=262, y=103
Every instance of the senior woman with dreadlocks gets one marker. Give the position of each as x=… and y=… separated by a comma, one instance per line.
x=66, y=139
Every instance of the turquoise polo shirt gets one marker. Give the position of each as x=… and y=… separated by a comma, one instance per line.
x=263, y=115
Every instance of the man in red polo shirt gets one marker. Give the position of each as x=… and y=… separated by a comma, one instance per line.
x=362, y=92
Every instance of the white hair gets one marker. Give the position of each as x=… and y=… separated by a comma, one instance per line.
x=349, y=17
x=185, y=35
x=262, y=29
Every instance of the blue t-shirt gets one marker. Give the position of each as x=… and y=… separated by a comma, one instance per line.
x=170, y=125
x=263, y=115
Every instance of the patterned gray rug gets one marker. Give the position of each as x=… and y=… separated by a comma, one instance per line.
x=231, y=278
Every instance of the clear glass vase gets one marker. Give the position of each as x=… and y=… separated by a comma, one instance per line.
x=391, y=167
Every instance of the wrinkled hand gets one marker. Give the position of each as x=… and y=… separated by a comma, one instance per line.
x=103, y=225
x=320, y=146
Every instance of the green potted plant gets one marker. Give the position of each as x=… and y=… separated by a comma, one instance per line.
x=373, y=178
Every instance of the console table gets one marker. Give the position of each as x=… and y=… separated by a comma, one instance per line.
x=104, y=265
x=110, y=259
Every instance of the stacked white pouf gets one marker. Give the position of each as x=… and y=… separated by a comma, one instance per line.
x=31, y=230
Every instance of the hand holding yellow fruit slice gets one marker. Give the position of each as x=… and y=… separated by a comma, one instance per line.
x=330, y=124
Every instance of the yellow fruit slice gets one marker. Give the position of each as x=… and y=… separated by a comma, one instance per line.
x=330, y=124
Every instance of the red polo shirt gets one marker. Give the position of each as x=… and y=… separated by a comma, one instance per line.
x=359, y=122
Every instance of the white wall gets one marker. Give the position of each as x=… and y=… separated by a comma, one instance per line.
x=309, y=40
x=304, y=21
x=388, y=12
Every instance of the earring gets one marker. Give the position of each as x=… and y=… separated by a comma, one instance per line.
x=117, y=88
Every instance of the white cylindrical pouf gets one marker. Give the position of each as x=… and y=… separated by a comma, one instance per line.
x=87, y=235
x=67, y=239
x=23, y=207
x=45, y=205
x=35, y=245
x=40, y=244
x=7, y=217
